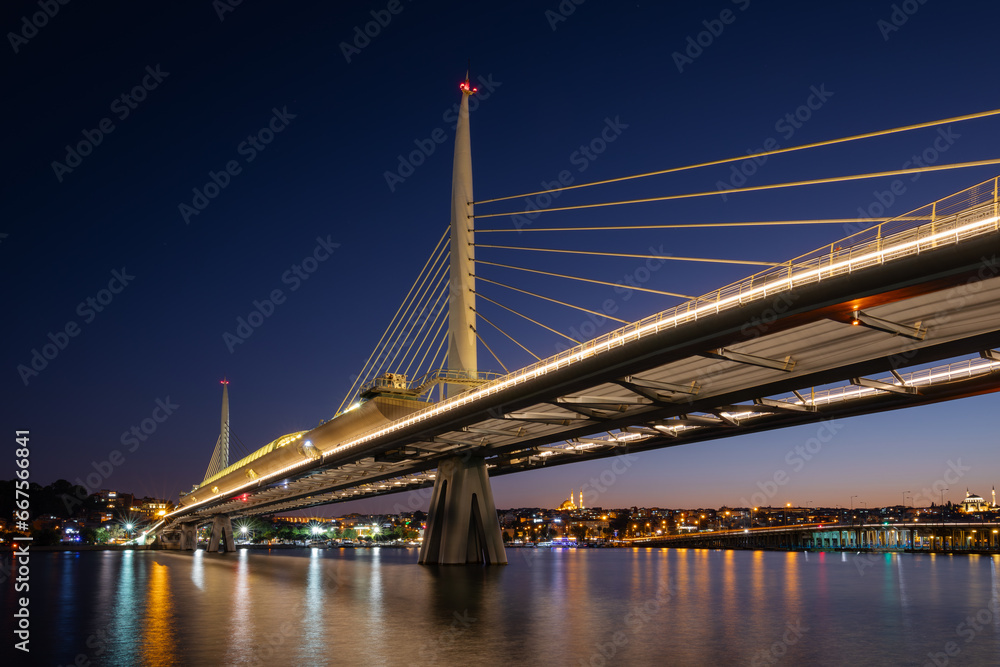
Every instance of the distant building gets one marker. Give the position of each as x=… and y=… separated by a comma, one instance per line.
x=47, y=521
x=974, y=503
x=71, y=531
x=570, y=505
x=114, y=501
x=305, y=519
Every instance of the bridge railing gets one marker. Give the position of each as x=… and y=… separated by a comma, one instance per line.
x=968, y=368
x=952, y=219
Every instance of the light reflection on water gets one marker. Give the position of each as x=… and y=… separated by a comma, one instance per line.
x=198, y=569
x=312, y=639
x=620, y=606
x=995, y=597
x=242, y=628
x=158, y=639
x=125, y=614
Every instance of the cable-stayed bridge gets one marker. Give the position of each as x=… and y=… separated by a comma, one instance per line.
x=826, y=335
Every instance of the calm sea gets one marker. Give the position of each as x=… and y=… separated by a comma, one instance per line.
x=551, y=607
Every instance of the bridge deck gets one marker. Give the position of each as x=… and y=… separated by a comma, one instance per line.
x=714, y=367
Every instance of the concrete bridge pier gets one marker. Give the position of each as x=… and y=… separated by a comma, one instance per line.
x=183, y=537
x=462, y=525
x=169, y=539
x=189, y=537
x=222, y=531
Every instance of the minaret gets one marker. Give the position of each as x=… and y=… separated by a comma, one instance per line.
x=462, y=296
x=994, y=496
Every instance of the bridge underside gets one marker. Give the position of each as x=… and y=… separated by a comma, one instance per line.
x=725, y=374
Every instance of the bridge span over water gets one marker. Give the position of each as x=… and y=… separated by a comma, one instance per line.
x=963, y=537
x=917, y=290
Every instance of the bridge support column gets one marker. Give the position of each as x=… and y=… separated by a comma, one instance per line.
x=462, y=525
x=222, y=530
x=168, y=539
x=189, y=537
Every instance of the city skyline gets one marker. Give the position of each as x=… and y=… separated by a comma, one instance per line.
x=935, y=495
x=117, y=506
x=140, y=279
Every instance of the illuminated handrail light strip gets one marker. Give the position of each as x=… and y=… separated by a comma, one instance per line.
x=680, y=314
x=970, y=368
x=849, y=392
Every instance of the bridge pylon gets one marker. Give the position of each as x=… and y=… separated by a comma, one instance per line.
x=220, y=455
x=462, y=526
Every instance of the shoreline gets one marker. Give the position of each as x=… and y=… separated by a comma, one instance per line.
x=279, y=547
x=153, y=547
x=855, y=550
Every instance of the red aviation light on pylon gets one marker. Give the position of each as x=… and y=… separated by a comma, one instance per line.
x=223, y=381
x=465, y=87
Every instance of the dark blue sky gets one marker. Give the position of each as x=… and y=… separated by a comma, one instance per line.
x=208, y=81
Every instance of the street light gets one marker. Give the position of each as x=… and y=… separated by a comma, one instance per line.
x=852, y=502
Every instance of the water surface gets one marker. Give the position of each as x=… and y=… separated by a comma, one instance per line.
x=560, y=606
